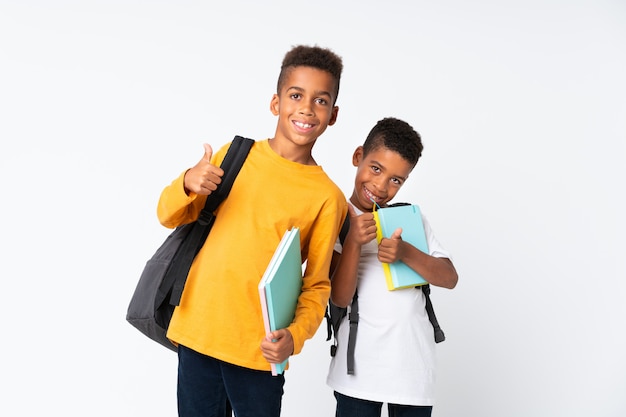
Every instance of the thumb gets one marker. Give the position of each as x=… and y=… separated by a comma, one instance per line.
x=208, y=152
x=351, y=211
x=397, y=234
x=274, y=336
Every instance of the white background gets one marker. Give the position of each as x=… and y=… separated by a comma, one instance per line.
x=522, y=109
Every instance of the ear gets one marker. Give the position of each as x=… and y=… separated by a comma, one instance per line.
x=357, y=156
x=275, y=104
x=333, y=116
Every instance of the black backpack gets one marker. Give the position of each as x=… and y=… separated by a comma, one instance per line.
x=334, y=314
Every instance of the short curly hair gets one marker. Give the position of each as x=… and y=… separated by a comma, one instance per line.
x=311, y=56
x=395, y=135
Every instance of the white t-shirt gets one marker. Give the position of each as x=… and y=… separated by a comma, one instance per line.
x=394, y=358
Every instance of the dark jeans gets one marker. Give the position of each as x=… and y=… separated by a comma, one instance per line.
x=205, y=384
x=354, y=407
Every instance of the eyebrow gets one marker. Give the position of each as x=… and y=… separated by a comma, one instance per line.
x=316, y=93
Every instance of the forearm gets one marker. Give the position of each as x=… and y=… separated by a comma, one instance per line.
x=437, y=271
x=175, y=207
x=344, y=278
x=309, y=313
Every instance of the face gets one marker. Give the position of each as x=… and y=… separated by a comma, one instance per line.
x=379, y=177
x=304, y=107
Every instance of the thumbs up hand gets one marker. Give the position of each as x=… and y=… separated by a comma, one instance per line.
x=362, y=227
x=204, y=177
x=391, y=249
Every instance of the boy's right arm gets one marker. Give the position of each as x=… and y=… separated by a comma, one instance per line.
x=178, y=203
x=344, y=277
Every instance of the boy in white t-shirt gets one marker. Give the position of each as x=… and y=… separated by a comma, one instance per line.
x=394, y=357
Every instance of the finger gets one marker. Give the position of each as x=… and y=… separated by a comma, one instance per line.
x=277, y=335
x=208, y=152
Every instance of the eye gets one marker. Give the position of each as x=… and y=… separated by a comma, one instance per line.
x=321, y=101
x=295, y=96
x=397, y=181
x=375, y=169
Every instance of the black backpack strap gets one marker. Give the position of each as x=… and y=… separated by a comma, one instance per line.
x=345, y=228
x=232, y=163
x=329, y=327
x=178, y=271
x=439, y=334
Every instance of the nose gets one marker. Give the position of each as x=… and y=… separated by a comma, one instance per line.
x=306, y=109
x=380, y=184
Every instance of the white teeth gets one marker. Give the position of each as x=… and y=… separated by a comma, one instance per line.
x=303, y=125
x=371, y=196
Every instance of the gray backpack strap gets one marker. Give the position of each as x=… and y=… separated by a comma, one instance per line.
x=335, y=314
x=354, y=323
x=353, y=316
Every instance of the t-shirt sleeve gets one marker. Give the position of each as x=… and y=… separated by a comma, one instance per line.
x=434, y=246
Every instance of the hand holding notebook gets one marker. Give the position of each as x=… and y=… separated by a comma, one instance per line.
x=398, y=275
x=280, y=287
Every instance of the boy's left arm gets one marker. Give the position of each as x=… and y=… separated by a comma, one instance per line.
x=316, y=281
x=437, y=271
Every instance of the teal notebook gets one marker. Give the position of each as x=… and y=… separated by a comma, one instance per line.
x=280, y=287
x=409, y=217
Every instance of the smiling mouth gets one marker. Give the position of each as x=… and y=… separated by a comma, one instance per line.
x=303, y=125
x=371, y=197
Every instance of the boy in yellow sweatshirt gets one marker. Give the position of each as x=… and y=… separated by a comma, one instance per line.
x=224, y=353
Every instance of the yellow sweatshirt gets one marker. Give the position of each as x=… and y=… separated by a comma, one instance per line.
x=220, y=312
